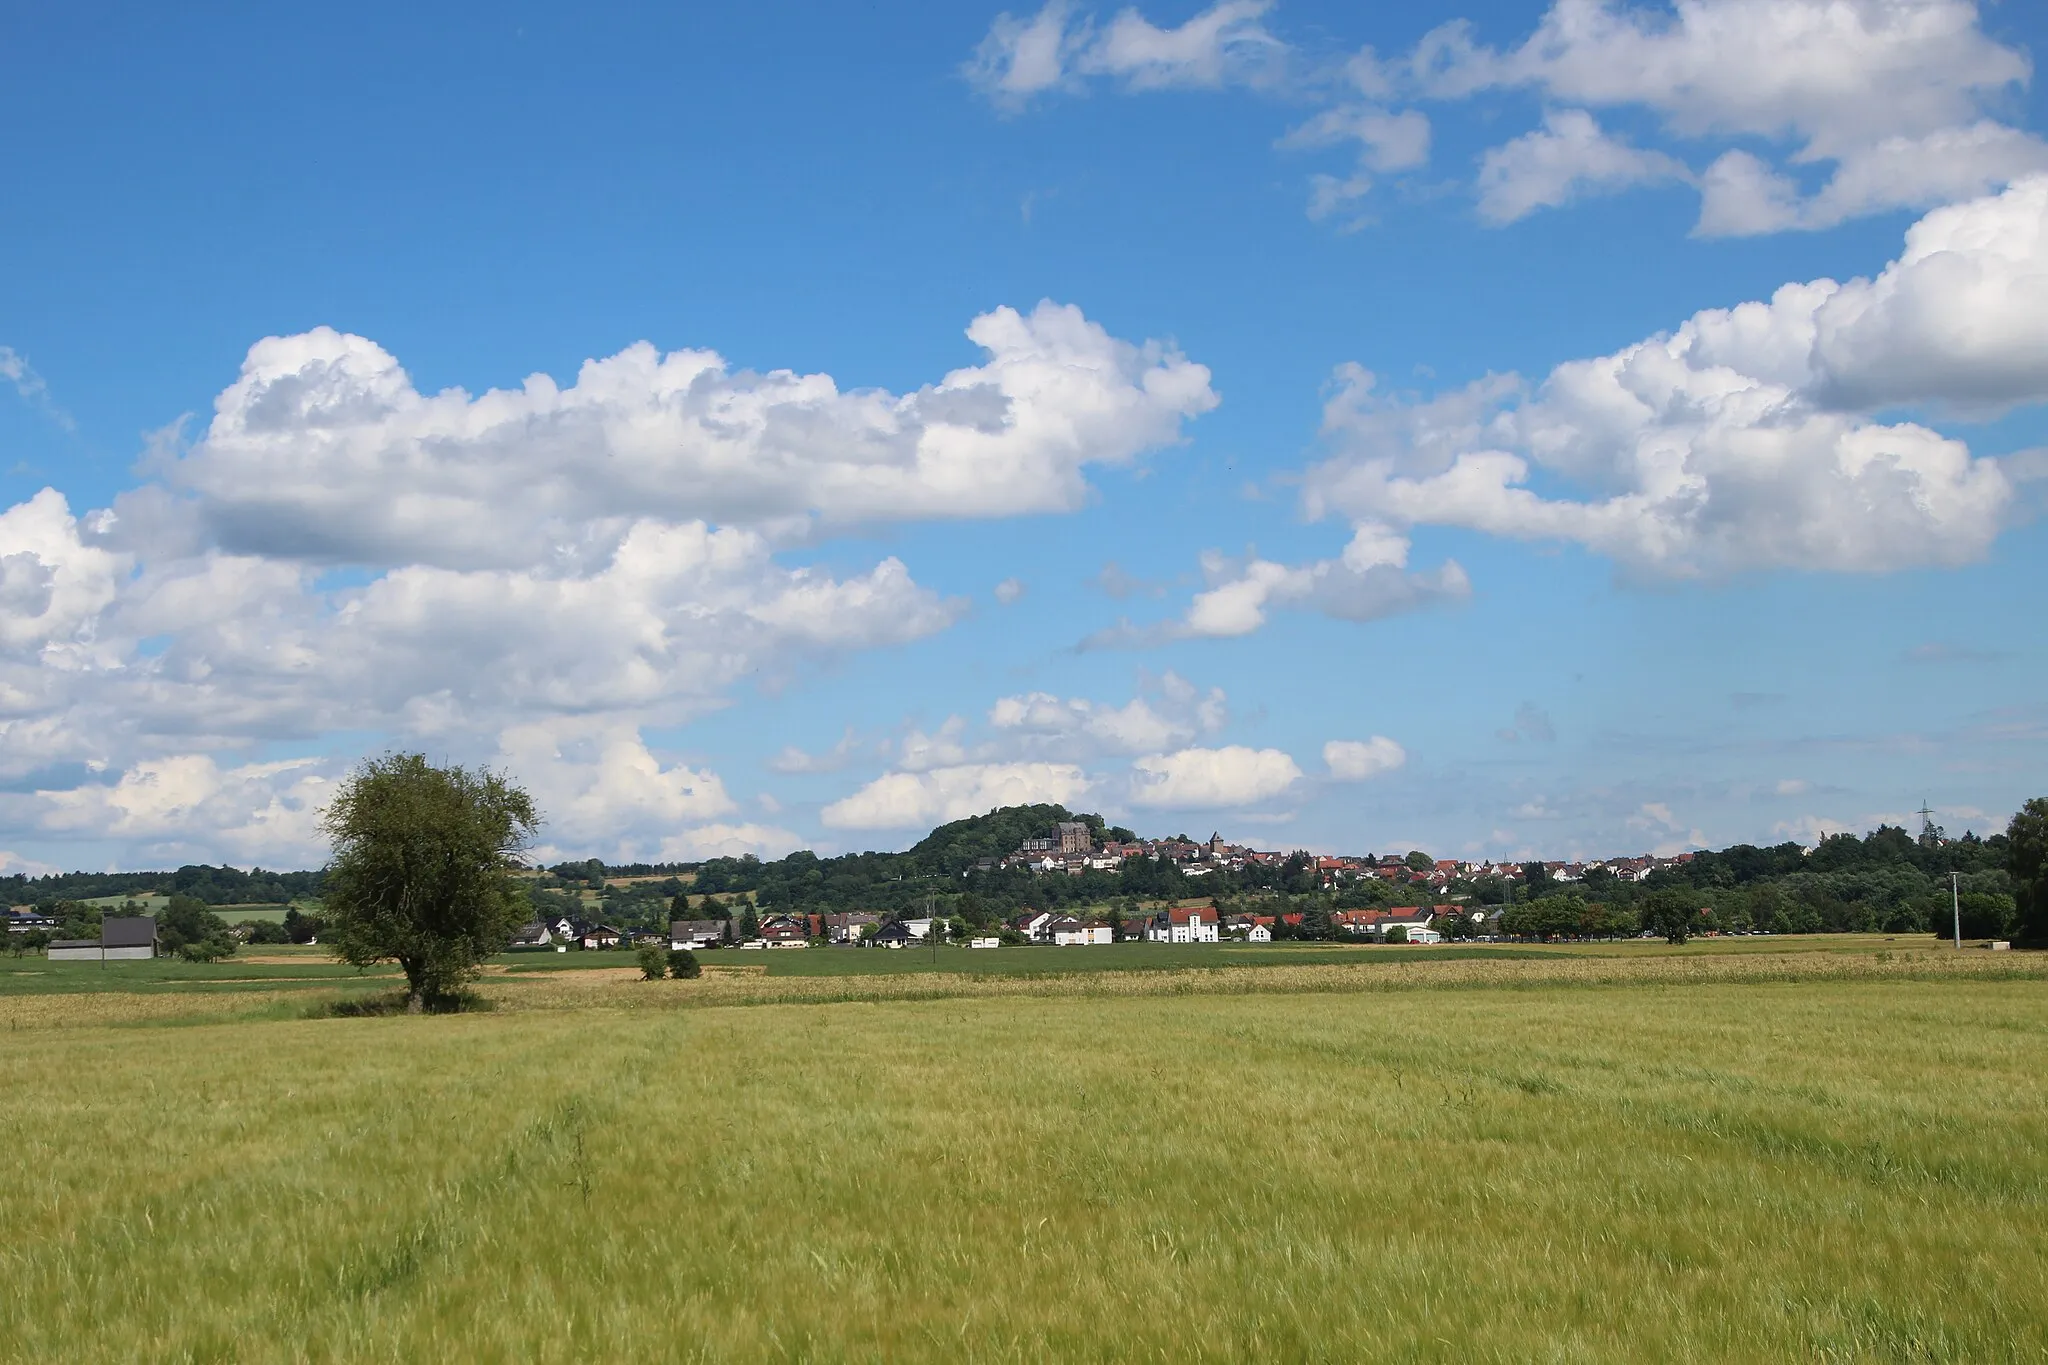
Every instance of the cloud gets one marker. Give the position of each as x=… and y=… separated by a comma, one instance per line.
x=1203, y=779
x=1941, y=652
x=1531, y=723
x=1960, y=318
x=1893, y=96
x=791, y=759
x=1352, y=760
x=943, y=748
x=1837, y=108
x=1655, y=818
x=1116, y=583
x=1811, y=829
x=324, y=450
x=254, y=813
x=600, y=786
x=14, y=865
x=1176, y=714
x=1010, y=591
x=1039, y=746
x=53, y=586
x=1020, y=58
x=1741, y=440
x=551, y=567
x=918, y=800
x=15, y=369
x=1386, y=142
x=719, y=840
x=1568, y=159
x=1054, y=49
x=1367, y=582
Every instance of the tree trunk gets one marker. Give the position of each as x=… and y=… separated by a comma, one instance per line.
x=415, y=1003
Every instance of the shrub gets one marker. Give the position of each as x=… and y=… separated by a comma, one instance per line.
x=400, y=1002
x=682, y=964
x=653, y=966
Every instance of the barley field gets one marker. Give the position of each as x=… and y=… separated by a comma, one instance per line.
x=1817, y=1157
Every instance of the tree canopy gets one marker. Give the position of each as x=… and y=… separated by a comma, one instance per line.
x=421, y=870
x=2027, y=841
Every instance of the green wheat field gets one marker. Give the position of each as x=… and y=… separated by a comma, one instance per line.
x=1836, y=1154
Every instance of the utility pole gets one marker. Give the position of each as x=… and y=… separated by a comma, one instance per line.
x=1955, y=893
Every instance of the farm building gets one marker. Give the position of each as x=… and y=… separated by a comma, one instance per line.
x=123, y=938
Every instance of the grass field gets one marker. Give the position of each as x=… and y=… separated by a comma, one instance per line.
x=1725, y=1155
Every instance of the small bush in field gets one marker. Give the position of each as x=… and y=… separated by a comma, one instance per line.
x=682, y=964
x=653, y=965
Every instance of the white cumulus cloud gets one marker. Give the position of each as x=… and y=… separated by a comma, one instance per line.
x=1741, y=440
x=915, y=800
x=1569, y=158
x=1204, y=779
x=324, y=449
x=1355, y=760
x=1893, y=96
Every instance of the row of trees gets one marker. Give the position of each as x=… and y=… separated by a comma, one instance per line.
x=208, y=885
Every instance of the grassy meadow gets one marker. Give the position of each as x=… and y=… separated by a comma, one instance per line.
x=1725, y=1156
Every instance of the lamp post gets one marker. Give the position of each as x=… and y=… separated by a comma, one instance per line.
x=1955, y=894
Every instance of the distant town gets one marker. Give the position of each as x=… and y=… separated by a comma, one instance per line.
x=1044, y=875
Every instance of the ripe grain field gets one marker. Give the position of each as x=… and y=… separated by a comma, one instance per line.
x=1585, y=1168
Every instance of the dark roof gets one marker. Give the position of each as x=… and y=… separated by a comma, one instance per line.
x=74, y=943
x=690, y=928
x=128, y=931
x=893, y=931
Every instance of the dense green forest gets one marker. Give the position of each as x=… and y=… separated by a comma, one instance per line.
x=211, y=885
x=1888, y=880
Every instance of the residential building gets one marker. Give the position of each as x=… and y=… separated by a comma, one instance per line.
x=696, y=933
x=1195, y=925
x=1068, y=932
x=786, y=931
x=1032, y=925
x=534, y=935
x=847, y=928
x=893, y=935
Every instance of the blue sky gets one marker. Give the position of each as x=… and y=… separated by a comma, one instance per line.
x=1344, y=454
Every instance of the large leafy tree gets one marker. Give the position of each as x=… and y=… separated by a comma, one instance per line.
x=1672, y=913
x=421, y=870
x=2027, y=861
x=190, y=930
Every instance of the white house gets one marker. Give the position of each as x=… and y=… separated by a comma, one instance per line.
x=1258, y=933
x=1197, y=925
x=1032, y=926
x=1075, y=933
